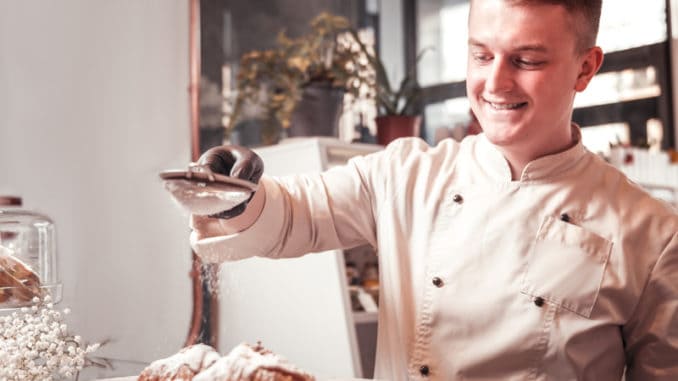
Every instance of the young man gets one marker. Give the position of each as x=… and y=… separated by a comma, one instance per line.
x=514, y=255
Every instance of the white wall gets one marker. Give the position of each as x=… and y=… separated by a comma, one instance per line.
x=93, y=103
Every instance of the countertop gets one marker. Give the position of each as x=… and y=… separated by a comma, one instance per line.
x=134, y=378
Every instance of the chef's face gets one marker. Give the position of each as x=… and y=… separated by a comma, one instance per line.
x=524, y=69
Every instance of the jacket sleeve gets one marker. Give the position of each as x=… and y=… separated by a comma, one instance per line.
x=651, y=336
x=306, y=213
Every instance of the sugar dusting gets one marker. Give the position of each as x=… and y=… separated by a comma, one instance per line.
x=244, y=363
x=219, y=278
x=203, y=199
x=211, y=278
x=196, y=357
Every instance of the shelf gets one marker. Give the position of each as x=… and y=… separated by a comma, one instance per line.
x=362, y=317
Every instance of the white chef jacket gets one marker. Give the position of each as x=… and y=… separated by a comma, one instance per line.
x=567, y=274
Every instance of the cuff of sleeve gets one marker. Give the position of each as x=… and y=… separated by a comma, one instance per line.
x=217, y=240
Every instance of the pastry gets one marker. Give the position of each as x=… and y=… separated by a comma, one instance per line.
x=182, y=366
x=252, y=363
x=18, y=283
x=244, y=363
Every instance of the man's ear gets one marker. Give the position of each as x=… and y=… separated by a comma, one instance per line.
x=591, y=62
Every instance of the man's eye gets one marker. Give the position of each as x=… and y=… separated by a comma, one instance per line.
x=530, y=64
x=482, y=58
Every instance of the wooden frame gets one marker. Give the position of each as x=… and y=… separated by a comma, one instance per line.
x=204, y=326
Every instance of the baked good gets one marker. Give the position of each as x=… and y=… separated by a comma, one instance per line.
x=244, y=363
x=181, y=366
x=252, y=363
x=18, y=282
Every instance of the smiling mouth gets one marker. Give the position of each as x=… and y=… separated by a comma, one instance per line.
x=506, y=106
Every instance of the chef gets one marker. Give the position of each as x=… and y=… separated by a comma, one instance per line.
x=516, y=254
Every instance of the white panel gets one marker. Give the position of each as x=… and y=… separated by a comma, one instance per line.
x=297, y=307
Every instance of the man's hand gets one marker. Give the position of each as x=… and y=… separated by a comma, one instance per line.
x=234, y=161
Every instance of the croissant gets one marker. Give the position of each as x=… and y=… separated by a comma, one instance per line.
x=244, y=363
x=18, y=283
x=183, y=365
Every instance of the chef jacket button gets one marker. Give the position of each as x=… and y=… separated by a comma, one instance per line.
x=538, y=301
x=424, y=370
x=564, y=217
x=437, y=281
x=457, y=198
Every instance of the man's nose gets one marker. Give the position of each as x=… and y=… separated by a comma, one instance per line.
x=500, y=77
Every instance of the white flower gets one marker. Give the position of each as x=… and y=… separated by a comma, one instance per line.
x=35, y=345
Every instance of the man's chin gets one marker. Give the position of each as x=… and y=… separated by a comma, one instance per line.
x=501, y=135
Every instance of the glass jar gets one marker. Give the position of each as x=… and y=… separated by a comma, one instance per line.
x=28, y=267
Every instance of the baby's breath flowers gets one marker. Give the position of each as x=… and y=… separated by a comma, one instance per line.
x=35, y=345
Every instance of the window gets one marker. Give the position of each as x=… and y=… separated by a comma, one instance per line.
x=626, y=24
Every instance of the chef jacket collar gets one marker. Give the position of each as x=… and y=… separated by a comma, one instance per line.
x=542, y=168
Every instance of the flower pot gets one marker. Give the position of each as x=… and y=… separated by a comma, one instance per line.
x=318, y=111
x=391, y=127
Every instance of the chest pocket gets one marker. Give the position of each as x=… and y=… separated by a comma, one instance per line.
x=566, y=266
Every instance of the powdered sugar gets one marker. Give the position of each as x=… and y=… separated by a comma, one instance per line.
x=244, y=363
x=196, y=358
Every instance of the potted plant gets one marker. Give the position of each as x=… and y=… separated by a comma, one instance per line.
x=301, y=79
x=396, y=107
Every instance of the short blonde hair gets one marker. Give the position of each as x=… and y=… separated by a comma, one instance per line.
x=585, y=14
